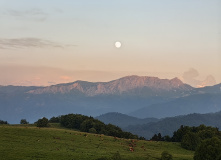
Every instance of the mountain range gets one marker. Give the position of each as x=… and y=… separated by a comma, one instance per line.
x=147, y=127
x=139, y=96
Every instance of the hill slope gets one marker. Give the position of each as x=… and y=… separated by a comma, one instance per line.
x=197, y=103
x=167, y=126
x=24, y=142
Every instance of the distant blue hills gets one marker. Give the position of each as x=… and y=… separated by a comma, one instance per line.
x=166, y=126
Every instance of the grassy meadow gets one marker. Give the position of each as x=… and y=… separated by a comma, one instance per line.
x=27, y=142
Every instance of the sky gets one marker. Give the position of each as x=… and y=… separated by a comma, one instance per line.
x=48, y=42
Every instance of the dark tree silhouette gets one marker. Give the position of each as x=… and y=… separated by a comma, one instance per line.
x=24, y=121
x=42, y=122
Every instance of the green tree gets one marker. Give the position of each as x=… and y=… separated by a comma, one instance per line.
x=55, y=120
x=209, y=149
x=208, y=133
x=114, y=131
x=86, y=125
x=178, y=135
x=166, y=156
x=42, y=122
x=24, y=121
x=154, y=138
x=157, y=137
x=72, y=120
x=190, y=141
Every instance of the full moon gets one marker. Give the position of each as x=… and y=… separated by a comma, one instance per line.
x=117, y=44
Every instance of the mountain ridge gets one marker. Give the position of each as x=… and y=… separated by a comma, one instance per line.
x=118, y=86
x=197, y=103
x=122, y=120
x=166, y=126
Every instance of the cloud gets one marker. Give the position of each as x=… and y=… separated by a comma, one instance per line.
x=209, y=81
x=33, y=14
x=191, y=76
x=19, y=43
x=30, y=12
x=51, y=82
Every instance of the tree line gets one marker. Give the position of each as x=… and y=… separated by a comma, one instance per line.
x=3, y=122
x=204, y=140
x=87, y=124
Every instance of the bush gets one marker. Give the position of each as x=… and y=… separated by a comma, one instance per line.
x=42, y=122
x=166, y=156
x=23, y=121
x=92, y=130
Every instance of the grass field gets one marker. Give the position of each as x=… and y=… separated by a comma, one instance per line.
x=20, y=142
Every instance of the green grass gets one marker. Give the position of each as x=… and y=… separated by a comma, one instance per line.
x=27, y=142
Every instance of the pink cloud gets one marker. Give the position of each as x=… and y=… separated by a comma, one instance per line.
x=66, y=78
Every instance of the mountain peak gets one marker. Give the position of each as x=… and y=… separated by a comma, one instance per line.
x=176, y=81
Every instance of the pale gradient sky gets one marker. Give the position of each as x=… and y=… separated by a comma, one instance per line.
x=75, y=39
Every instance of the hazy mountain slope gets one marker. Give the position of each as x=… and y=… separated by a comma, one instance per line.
x=210, y=89
x=197, y=103
x=122, y=95
x=31, y=107
x=9, y=90
x=123, y=120
x=168, y=125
